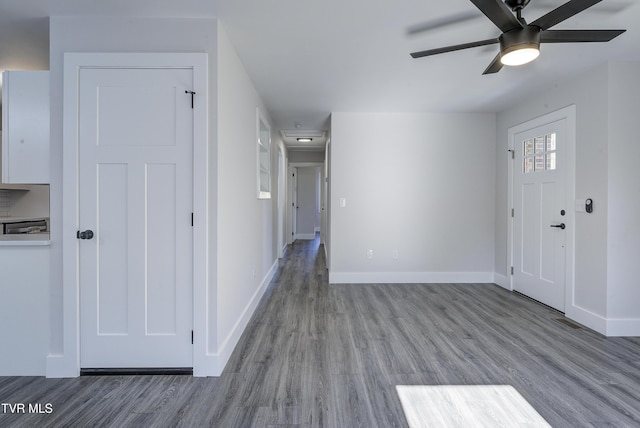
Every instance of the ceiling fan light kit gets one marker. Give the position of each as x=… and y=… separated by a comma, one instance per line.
x=520, y=41
x=520, y=46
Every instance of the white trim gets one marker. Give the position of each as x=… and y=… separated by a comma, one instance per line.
x=623, y=327
x=306, y=236
x=410, y=277
x=587, y=318
x=230, y=342
x=569, y=114
x=306, y=164
x=281, y=203
x=502, y=281
x=610, y=327
x=291, y=169
x=67, y=362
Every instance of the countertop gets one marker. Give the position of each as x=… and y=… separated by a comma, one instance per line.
x=25, y=239
x=18, y=219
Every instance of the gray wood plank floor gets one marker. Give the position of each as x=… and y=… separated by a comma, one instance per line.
x=319, y=355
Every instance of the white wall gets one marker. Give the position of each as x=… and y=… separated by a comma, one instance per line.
x=606, y=241
x=107, y=34
x=419, y=184
x=303, y=156
x=623, y=292
x=247, y=254
x=241, y=236
x=589, y=94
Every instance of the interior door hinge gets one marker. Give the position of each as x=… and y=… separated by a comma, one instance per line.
x=512, y=212
x=511, y=270
x=191, y=219
x=192, y=337
x=513, y=153
x=192, y=94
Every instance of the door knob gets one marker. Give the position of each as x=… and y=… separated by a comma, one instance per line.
x=561, y=225
x=87, y=234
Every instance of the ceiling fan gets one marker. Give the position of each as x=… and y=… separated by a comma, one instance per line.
x=520, y=41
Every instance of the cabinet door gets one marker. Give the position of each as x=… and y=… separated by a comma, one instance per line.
x=25, y=118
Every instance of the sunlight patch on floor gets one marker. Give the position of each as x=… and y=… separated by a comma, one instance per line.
x=468, y=406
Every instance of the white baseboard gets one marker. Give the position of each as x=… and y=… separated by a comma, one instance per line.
x=220, y=359
x=622, y=327
x=58, y=366
x=306, y=236
x=610, y=327
x=501, y=280
x=587, y=318
x=410, y=277
x=207, y=366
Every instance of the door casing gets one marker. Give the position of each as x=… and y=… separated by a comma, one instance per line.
x=292, y=196
x=66, y=362
x=569, y=114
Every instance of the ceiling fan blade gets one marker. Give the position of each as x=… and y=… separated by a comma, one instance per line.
x=453, y=48
x=495, y=66
x=564, y=12
x=609, y=7
x=578, y=36
x=499, y=13
x=443, y=22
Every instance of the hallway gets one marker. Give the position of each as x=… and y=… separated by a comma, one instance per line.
x=330, y=355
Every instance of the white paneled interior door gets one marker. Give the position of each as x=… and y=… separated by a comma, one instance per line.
x=541, y=218
x=135, y=195
x=306, y=202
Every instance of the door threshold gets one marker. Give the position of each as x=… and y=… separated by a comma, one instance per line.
x=137, y=371
x=537, y=301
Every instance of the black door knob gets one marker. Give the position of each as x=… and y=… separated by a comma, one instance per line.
x=87, y=234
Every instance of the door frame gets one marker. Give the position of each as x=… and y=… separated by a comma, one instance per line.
x=66, y=363
x=569, y=114
x=292, y=195
x=291, y=204
x=326, y=197
x=281, y=203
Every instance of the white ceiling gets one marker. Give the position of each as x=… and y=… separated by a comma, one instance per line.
x=308, y=58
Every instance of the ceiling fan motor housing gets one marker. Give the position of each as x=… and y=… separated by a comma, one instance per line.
x=517, y=4
x=526, y=37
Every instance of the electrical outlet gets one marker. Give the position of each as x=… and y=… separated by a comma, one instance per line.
x=369, y=254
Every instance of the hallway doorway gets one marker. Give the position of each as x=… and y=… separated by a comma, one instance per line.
x=307, y=200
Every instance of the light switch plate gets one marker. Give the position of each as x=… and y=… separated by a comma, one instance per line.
x=343, y=202
x=580, y=208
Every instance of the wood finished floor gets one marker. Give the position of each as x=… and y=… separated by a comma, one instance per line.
x=330, y=355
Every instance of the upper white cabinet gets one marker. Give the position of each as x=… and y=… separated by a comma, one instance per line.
x=25, y=127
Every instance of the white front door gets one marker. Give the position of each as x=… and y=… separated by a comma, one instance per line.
x=135, y=193
x=540, y=215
